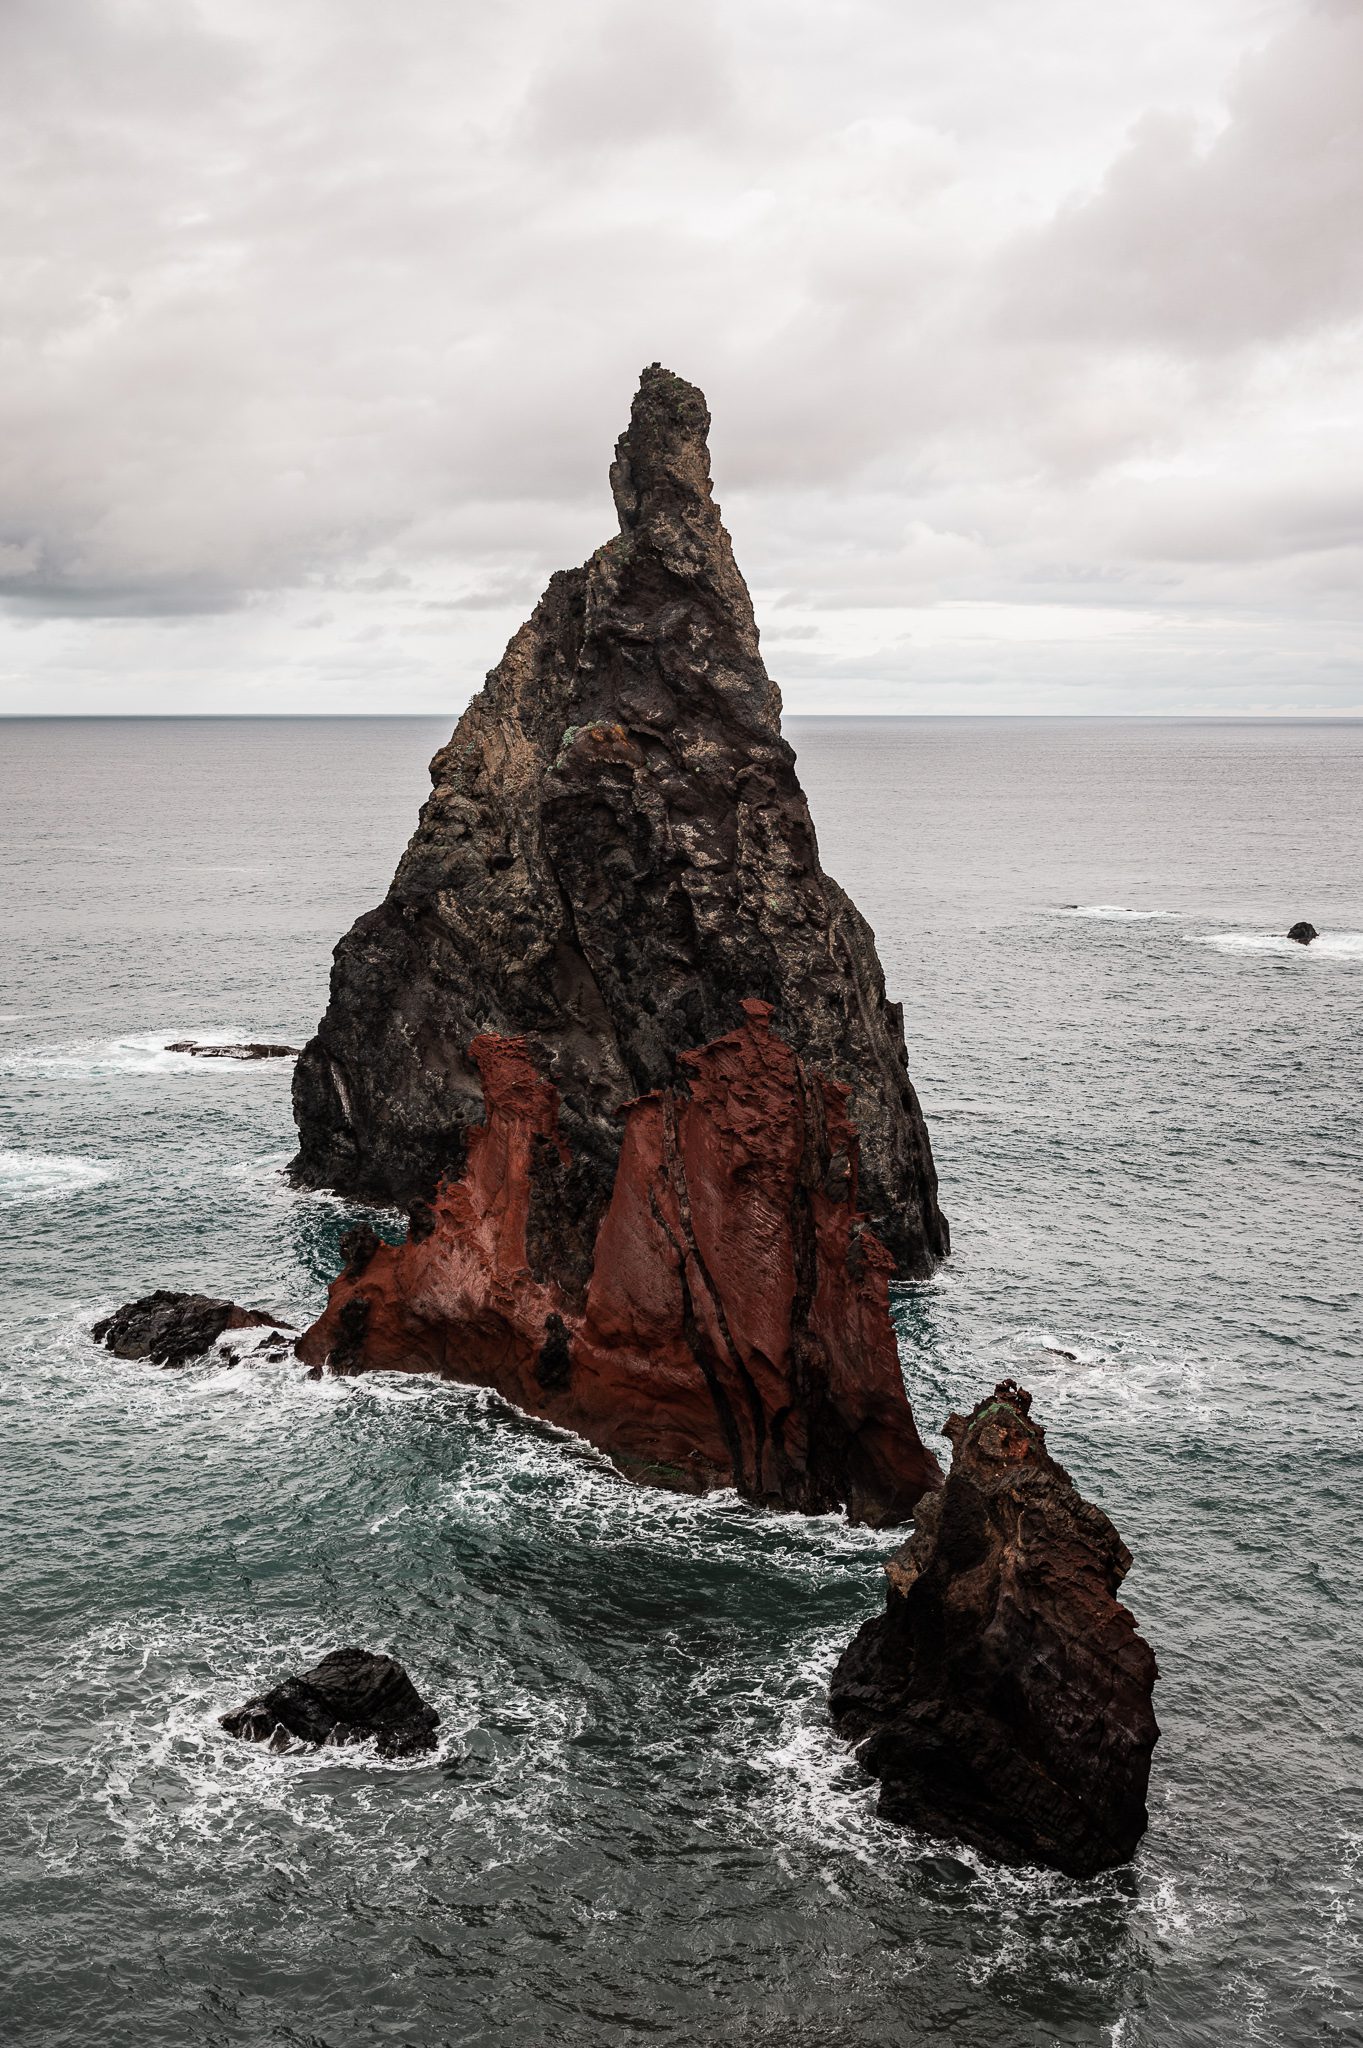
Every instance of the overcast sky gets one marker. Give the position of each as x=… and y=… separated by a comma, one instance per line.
x=1031, y=336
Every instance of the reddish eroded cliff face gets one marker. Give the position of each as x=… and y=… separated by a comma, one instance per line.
x=730, y=1325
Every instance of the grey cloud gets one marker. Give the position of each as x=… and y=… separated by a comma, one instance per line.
x=1210, y=245
x=335, y=299
x=634, y=75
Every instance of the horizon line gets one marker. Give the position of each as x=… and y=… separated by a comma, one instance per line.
x=806, y=717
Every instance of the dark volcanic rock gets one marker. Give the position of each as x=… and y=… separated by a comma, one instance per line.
x=171, y=1328
x=234, y=1052
x=616, y=853
x=733, y=1329
x=1005, y=1693
x=350, y=1696
x=1303, y=933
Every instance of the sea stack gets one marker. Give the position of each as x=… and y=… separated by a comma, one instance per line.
x=1004, y=1698
x=623, y=1050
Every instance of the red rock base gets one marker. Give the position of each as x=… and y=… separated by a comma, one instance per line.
x=735, y=1328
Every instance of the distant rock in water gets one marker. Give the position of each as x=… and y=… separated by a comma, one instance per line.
x=170, y=1329
x=350, y=1696
x=234, y=1052
x=624, y=1051
x=733, y=1328
x=1303, y=933
x=616, y=852
x=1004, y=1695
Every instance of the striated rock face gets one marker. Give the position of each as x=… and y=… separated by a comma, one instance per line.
x=731, y=1326
x=349, y=1696
x=1005, y=1693
x=616, y=852
x=170, y=1329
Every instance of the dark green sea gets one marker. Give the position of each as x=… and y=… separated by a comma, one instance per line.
x=638, y=1827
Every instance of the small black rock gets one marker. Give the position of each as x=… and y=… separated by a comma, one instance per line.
x=350, y=1696
x=170, y=1328
x=1303, y=933
x=235, y=1052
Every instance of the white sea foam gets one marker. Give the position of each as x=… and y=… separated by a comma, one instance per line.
x=48, y=1177
x=1113, y=912
x=1075, y=1351
x=138, y=1053
x=592, y=1500
x=1329, y=946
x=167, y=1784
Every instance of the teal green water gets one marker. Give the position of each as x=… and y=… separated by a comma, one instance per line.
x=639, y=1829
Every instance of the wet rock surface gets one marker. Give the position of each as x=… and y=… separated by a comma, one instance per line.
x=615, y=854
x=170, y=1329
x=350, y=1696
x=1303, y=933
x=234, y=1052
x=731, y=1326
x=1004, y=1698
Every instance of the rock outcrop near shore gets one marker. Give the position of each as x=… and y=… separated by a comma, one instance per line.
x=616, y=852
x=727, y=1326
x=170, y=1329
x=1004, y=1698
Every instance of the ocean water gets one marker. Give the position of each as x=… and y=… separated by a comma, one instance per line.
x=638, y=1828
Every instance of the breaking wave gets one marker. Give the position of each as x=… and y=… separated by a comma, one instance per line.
x=1329, y=946
x=1116, y=913
x=139, y=1053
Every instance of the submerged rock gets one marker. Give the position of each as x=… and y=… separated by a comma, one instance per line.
x=1004, y=1697
x=1303, y=933
x=171, y=1328
x=733, y=1326
x=234, y=1052
x=615, y=853
x=350, y=1696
